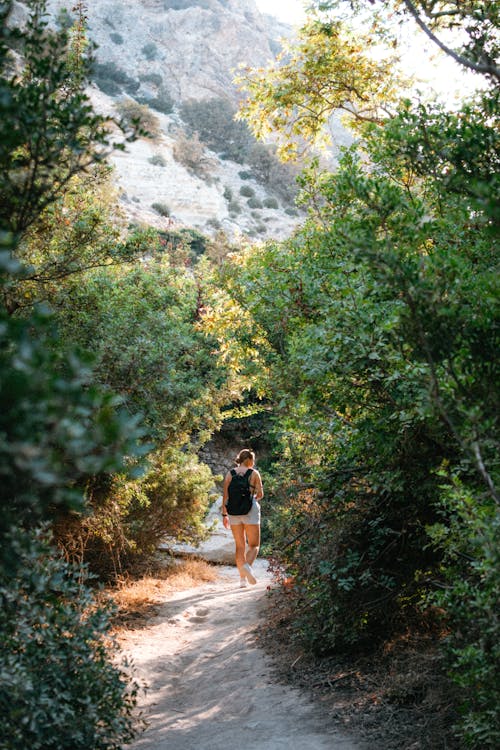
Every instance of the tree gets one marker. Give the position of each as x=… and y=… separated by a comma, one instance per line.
x=326, y=70
x=48, y=129
x=476, y=19
x=58, y=429
x=380, y=321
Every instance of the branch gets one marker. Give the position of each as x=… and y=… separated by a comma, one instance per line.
x=488, y=68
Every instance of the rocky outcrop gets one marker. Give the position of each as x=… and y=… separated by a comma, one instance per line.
x=162, y=52
x=193, y=45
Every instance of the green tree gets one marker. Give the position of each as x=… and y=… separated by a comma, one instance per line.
x=60, y=688
x=48, y=129
x=381, y=326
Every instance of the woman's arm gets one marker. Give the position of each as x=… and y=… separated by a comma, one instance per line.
x=225, y=494
x=256, y=485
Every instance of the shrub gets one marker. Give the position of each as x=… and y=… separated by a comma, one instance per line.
x=213, y=120
x=62, y=685
x=271, y=203
x=170, y=500
x=190, y=152
x=161, y=208
x=228, y=193
x=254, y=203
x=154, y=78
x=157, y=160
x=116, y=38
x=214, y=223
x=131, y=111
x=163, y=102
x=150, y=51
x=247, y=191
x=245, y=175
x=276, y=175
x=111, y=79
x=234, y=208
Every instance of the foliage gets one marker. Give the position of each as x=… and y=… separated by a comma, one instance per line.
x=150, y=51
x=48, y=130
x=58, y=428
x=378, y=324
x=254, y=203
x=157, y=160
x=78, y=231
x=133, y=113
x=140, y=321
x=112, y=79
x=184, y=246
x=278, y=176
x=190, y=152
x=325, y=70
x=62, y=684
x=161, y=208
x=130, y=517
x=213, y=120
x=247, y=191
x=470, y=598
x=476, y=20
x=162, y=102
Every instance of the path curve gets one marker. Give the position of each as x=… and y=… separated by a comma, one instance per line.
x=210, y=685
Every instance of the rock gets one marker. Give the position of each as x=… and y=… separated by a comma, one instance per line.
x=218, y=548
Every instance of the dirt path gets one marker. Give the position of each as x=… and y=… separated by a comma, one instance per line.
x=211, y=686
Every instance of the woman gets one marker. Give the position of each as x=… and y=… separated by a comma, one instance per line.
x=246, y=529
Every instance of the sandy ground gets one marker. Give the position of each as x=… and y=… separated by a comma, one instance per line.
x=210, y=685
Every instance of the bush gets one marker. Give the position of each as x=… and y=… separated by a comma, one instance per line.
x=150, y=51
x=157, y=160
x=247, y=191
x=190, y=152
x=163, y=102
x=161, y=208
x=254, y=203
x=234, y=208
x=132, y=112
x=154, y=78
x=276, y=175
x=271, y=203
x=116, y=38
x=111, y=79
x=62, y=686
x=213, y=120
x=245, y=175
x=135, y=516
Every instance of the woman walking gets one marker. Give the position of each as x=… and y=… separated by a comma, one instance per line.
x=243, y=491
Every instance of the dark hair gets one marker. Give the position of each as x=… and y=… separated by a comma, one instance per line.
x=243, y=455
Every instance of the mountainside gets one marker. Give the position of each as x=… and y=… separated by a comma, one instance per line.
x=154, y=58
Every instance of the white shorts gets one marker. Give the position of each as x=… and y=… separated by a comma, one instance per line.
x=250, y=518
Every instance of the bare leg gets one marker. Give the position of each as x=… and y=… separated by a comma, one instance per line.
x=239, y=540
x=252, y=532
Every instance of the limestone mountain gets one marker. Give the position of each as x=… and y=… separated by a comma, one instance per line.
x=172, y=63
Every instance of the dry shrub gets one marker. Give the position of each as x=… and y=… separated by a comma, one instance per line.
x=131, y=113
x=190, y=152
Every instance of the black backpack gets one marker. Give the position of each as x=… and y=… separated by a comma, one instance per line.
x=240, y=495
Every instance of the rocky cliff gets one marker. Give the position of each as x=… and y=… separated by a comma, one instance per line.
x=158, y=55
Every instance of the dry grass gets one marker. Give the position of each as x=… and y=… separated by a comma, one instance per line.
x=138, y=599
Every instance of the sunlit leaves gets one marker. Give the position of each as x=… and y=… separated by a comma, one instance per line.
x=327, y=69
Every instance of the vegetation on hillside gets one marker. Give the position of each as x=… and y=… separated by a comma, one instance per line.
x=365, y=347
